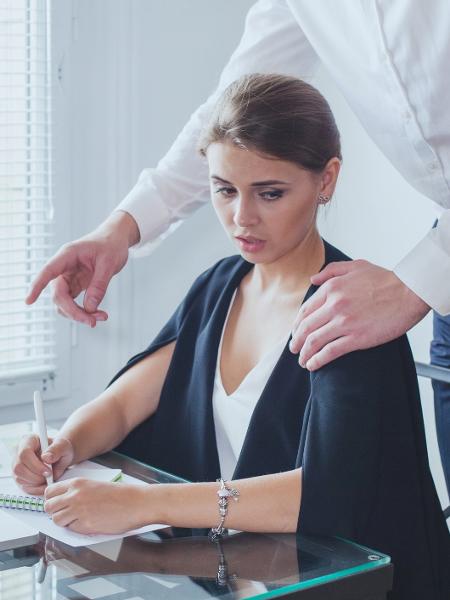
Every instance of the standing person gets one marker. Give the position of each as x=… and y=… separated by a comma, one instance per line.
x=393, y=55
x=340, y=452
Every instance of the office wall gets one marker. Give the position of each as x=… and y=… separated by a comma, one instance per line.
x=132, y=74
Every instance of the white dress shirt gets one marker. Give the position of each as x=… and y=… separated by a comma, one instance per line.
x=233, y=412
x=390, y=60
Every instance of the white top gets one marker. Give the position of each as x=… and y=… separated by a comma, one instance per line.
x=232, y=413
x=390, y=61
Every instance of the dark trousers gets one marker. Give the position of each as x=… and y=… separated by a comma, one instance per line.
x=440, y=356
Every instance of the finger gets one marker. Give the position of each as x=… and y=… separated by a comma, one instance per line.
x=308, y=325
x=98, y=286
x=67, y=306
x=57, y=265
x=83, y=317
x=22, y=473
x=55, y=489
x=331, y=352
x=63, y=518
x=312, y=304
x=57, y=503
x=317, y=340
x=57, y=449
x=28, y=457
x=334, y=269
x=31, y=490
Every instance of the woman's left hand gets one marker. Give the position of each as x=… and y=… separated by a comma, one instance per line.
x=90, y=507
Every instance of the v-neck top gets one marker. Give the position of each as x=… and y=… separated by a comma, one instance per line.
x=232, y=412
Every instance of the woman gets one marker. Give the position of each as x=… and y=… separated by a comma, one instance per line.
x=218, y=394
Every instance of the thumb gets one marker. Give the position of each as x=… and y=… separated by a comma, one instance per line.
x=57, y=449
x=96, y=290
x=332, y=270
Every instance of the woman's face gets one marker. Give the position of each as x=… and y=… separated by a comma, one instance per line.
x=267, y=206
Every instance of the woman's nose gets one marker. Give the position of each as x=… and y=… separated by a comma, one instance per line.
x=245, y=213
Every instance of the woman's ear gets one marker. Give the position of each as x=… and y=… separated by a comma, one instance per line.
x=329, y=177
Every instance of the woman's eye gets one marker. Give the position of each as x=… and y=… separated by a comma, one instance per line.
x=271, y=195
x=227, y=192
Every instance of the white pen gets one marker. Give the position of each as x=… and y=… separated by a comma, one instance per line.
x=42, y=428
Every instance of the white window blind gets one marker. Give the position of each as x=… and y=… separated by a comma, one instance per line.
x=27, y=335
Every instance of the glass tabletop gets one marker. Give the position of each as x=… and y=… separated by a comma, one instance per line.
x=178, y=563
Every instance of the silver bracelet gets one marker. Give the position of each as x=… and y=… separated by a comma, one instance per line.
x=224, y=493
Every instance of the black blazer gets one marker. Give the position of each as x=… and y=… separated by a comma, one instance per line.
x=355, y=427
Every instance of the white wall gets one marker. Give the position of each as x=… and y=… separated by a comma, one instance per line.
x=132, y=73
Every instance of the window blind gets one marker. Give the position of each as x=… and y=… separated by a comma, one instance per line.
x=27, y=334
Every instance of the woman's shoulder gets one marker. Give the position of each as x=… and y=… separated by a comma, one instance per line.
x=220, y=273
x=333, y=254
x=209, y=285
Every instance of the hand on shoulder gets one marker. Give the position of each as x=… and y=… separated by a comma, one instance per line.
x=357, y=306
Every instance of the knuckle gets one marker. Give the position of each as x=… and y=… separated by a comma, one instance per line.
x=313, y=342
x=17, y=470
x=57, y=519
x=331, y=286
x=23, y=454
x=339, y=303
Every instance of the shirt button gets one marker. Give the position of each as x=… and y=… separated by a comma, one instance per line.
x=433, y=166
x=407, y=115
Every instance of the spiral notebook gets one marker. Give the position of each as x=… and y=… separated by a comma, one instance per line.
x=86, y=470
x=29, y=509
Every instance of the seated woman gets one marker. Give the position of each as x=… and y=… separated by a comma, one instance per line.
x=218, y=394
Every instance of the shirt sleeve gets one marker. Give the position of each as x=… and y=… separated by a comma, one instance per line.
x=426, y=269
x=272, y=42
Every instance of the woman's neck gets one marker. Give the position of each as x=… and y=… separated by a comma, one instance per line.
x=291, y=273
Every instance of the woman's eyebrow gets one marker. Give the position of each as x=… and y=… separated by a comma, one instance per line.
x=255, y=183
x=221, y=179
x=269, y=182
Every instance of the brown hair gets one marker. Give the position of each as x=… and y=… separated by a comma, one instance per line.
x=276, y=115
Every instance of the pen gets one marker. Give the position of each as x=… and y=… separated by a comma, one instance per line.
x=42, y=428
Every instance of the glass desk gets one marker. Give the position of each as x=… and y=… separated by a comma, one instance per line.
x=183, y=563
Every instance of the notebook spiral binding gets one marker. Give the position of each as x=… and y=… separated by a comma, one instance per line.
x=22, y=502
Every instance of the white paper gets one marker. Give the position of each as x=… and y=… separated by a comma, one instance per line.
x=42, y=522
x=14, y=529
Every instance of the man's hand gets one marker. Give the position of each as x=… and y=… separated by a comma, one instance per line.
x=358, y=305
x=87, y=264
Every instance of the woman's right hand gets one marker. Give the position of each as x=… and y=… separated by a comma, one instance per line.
x=30, y=468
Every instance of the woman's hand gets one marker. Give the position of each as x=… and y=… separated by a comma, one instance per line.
x=30, y=468
x=95, y=507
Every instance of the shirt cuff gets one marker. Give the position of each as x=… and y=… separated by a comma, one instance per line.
x=151, y=214
x=426, y=271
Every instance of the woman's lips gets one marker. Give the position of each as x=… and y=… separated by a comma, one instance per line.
x=250, y=244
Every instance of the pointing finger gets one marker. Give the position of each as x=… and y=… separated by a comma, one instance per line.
x=57, y=265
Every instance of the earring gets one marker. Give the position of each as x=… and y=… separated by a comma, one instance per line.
x=323, y=199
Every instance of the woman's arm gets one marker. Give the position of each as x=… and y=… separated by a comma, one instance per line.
x=97, y=426
x=268, y=503
x=101, y=424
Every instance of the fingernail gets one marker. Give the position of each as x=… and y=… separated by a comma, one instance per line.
x=47, y=456
x=46, y=473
